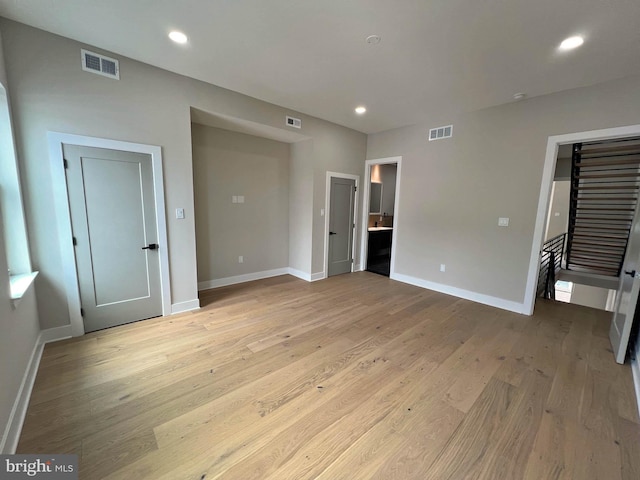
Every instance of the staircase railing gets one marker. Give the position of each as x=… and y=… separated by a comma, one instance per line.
x=550, y=265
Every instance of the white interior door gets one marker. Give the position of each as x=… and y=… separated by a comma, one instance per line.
x=111, y=200
x=627, y=295
x=341, y=226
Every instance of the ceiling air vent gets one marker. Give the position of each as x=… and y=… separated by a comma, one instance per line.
x=96, y=63
x=441, y=132
x=294, y=122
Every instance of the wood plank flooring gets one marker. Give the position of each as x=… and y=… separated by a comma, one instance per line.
x=356, y=377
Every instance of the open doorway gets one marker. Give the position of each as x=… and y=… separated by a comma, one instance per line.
x=605, y=193
x=380, y=207
x=576, y=284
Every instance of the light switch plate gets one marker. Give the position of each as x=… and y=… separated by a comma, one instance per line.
x=503, y=222
x=240, y=198
x=234, y=199
x=180, y=213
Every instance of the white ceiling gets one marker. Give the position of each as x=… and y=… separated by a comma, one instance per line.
x=437, y=57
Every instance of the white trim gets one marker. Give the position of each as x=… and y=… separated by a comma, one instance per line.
x=460, y=293
x=187, y=306
x=9, y=441
x=365, y=209
x=635, y=370
x=247, y=277
x=63, y=216
x=357, y=267
x=19, y=285
x=327, y=212
x=318, y=276
x=553, y=143
x=56, y=334
x=13, y=428
x=300, y=274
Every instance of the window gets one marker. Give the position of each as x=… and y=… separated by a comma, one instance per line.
x=14, y=234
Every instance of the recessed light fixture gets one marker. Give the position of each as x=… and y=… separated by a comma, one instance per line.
x=373, y=39
x=519, y=96
x=571, y=43
x=360, y=110
x=178, y=37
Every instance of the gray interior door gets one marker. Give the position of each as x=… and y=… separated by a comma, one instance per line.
x=341, y=226
x=111, y=199
x=627, y=294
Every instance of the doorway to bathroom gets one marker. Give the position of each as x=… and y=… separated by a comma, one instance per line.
x=380, y=224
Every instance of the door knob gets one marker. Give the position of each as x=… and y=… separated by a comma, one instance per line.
x=632, y=273
x=151, y=246
x=332, y=233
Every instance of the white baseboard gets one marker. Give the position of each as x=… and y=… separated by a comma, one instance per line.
x=635, y=369
x=318, y=276
x=248, y=277
x=461, y=293
x=55, y=334
x=9, y=441
x=357, y=267
x=300, y=274
x=187, y=306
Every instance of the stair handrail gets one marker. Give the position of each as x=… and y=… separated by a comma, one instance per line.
x=550, y=255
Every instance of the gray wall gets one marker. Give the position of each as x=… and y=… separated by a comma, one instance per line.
x=225, y=164
x=19, y=330
x=301, y=206
x=563, y=169
x=588, y=296
x=50, y=92
x=453, y=191
x=558, y=215
x=388, y=177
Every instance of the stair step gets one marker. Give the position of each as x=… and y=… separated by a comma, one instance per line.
x=608, y=150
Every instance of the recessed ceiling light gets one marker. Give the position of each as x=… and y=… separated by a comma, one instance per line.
x=571, y=43
x=373, y=39
x=178, y=37
x=360, y=110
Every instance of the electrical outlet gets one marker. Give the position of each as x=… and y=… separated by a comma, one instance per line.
x=240, y=259
x=503, y=222
x=180, y=213
x=443, y=267
x=240, y=198
x=234, y=199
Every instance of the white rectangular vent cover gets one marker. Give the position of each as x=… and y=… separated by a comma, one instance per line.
x=294, y=122
x=96, y=63
x=441, y=132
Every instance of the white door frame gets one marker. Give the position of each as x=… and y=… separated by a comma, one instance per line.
x=553, y=143
x=365, y=209
x=63, y=216
x=327, y=213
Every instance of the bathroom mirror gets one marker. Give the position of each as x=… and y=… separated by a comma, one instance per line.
x=375, y=198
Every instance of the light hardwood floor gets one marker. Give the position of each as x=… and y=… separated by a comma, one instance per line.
x=355, y=377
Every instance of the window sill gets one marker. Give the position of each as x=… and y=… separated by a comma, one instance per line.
x=19, y=284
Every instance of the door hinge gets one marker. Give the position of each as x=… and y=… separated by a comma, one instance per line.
x=355, y=189
x=82, y=312
x=75, y=242
x=65, y=163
